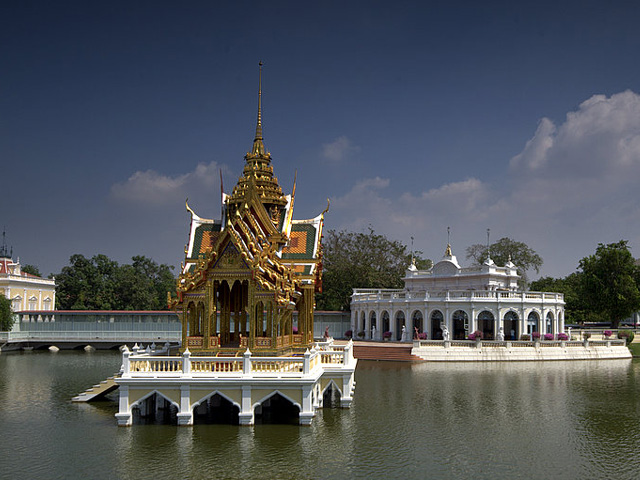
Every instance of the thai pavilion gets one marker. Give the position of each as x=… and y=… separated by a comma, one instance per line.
x=464, y=300
x=242, y=279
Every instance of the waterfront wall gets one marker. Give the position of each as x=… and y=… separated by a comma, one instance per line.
x=495, y=351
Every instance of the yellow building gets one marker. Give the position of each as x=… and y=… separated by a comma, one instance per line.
x=245, y=274
x=26, y=291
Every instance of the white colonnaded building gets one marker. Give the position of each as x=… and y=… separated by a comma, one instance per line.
x=481, y=298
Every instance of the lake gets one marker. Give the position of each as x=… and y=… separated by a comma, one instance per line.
x=499, y=421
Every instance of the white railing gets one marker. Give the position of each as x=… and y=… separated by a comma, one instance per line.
x=138, y=363
x=100, y=335
x=361, y=295
x=516, y=343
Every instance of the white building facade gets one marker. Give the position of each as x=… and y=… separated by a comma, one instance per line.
x=464, y=300
x=26, y=291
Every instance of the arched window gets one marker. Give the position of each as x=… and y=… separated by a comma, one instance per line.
x=386, y=324
x=486, y=324
x=416, y=322
x=437, y=319
x=511, y=325
x=399, y=324
x=550, y=322
x=533, y=324
x=460, y=324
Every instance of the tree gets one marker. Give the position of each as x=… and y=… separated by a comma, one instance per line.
x=609, y=282
x=575, y=309
x=6, y=314
x=361, y=260
x=100, y=283
x=505, y=249
x=31, y=269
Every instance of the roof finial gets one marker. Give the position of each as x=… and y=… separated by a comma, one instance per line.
x=447, y=252
x=258, y=146
x=488, y=244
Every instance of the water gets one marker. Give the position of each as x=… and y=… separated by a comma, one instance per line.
x=499, y=421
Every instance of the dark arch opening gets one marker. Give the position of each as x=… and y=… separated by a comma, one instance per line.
x=155, y=410
x=277, y=410
x=216, y=410
x=331, y=397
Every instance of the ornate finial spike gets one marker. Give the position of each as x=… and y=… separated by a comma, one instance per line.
x=488, y=243
x=258, y=146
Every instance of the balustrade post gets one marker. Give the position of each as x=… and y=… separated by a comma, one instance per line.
x=186, y=362
x=246, y=362
x=125, y=361
x=306, y=362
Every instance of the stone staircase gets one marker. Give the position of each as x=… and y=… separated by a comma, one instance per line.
x=97, y=391
x=391, y=352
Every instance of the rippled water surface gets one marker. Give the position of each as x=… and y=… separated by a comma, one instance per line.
x=498, y=421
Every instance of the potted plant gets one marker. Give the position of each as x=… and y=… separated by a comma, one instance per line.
x=548, y=336
x=525, y=337
x=535, y=336
x=386, y=336
x=563, y=337
x=422, y=336
x=627, y=335
x=607, y=334
x=361, y=334
x=348, y=333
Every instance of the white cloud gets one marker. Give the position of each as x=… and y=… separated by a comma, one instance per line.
x=573, y=185
x=151, y=188
x=339, y=150
x=601, y=138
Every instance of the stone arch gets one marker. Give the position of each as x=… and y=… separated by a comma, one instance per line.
x=399, y=323
x=331, y=394
x=437, y=320
x=215, y=411
x=278, y=413
x=486, y=321
x=417, y=322
x=549, y=322
x=533, y=322
x=386, y=322
x=460, y=320
x=372, y=322
x=510, y=323
x=145, y=406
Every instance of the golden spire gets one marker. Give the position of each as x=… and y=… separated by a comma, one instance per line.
x=258, y=146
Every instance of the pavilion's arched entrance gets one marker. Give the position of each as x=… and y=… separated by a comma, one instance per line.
x=372, y=322
x=416, y=323
x=486, y=322
x=511, y=325
x=216, y=410
x=460, y=324
x=399, y=324
x=437, y=321
x=386, y=322
x=550, y=322
x=533, y=323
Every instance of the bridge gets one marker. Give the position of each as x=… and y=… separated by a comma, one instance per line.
x=79, y=339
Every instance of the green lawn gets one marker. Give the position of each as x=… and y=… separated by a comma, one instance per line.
x=635, y=349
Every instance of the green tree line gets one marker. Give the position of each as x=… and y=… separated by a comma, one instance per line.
x=605, y=288
x=99, y=283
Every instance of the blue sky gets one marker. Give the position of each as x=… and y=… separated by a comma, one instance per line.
x=522, y=117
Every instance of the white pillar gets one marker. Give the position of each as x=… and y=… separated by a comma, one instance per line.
x=124, y=416
x=185, y=415
x=246, y=416
x=307, y=411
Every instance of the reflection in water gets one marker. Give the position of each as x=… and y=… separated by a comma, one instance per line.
x=518, y=420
